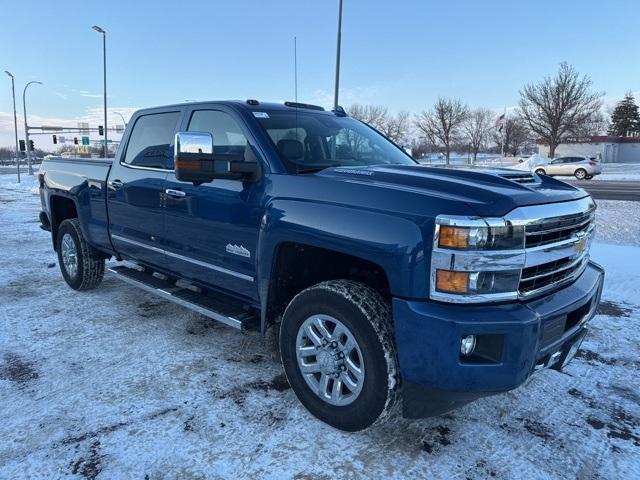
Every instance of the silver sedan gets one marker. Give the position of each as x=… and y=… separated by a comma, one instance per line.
x=583, y=168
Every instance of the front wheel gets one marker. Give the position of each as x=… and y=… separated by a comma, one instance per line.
x=81, y=265
x=581, y=174
x=337, y=350
x=540, y=171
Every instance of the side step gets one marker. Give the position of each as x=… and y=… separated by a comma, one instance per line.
x=213, y=306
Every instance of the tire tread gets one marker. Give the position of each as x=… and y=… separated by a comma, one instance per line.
x=92, y=271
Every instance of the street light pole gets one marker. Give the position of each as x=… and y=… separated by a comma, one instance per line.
x=339, y=41
x=122, y=117
x=26, y=127
x=104, y=78
x=15, y=121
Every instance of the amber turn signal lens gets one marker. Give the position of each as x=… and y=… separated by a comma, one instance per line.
x=453, y=237
x=452, y=282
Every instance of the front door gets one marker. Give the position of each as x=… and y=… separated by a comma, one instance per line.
x=136, y=187
x=211, y=230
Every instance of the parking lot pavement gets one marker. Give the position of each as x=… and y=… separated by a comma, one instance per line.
x=114, y=383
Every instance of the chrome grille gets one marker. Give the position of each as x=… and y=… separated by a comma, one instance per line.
x=552, y=273
x=557, y=229
x=564, y=240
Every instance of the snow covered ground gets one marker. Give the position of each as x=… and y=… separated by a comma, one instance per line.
x=114, y=383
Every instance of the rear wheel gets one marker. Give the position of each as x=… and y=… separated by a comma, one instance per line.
x=540, y=171
x=337, y=350
x=81, y=265
x=581, y=174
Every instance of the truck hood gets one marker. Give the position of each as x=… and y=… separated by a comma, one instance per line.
x=487, y=191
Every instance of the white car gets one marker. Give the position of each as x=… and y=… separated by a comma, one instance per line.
x=583, y=168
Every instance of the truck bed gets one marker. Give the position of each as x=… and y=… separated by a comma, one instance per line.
x=84, y=182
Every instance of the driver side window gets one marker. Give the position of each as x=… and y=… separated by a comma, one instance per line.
x=228, y=138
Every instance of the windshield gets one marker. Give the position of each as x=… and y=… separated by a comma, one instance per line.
x=308, y=142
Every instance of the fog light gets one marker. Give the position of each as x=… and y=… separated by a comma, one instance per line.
x=467, y=345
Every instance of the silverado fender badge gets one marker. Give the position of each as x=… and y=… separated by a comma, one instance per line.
x=238, y=250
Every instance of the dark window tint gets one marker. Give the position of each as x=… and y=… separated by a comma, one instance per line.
x=151, y=139
x=228, y=138
x=308, y=141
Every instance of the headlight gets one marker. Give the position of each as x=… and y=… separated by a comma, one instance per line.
x=481, y=237
x=477, y=283
x=476, y=259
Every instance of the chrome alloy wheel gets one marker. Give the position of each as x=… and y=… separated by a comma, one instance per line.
x=69, y=255
x=330, y=359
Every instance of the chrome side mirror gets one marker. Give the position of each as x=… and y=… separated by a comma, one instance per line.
x=193, y=157
x=194, y=160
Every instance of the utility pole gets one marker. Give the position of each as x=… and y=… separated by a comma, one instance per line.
x=26, y=127
x=339, y=40
x=15, y=121
x=295, y=67
x=104, y=78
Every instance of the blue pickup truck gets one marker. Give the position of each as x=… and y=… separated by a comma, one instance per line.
x=387, y=283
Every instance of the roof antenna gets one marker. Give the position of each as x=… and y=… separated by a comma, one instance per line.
x=295, y=66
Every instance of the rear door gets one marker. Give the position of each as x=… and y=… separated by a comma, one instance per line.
x=212, y=228
x=136, y=187
x=555, y=166
x=568, y=166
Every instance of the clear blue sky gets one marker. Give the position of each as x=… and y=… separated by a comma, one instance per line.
x=402, y=54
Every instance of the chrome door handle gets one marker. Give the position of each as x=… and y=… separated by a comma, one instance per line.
x=175, y=193
x=116, y=184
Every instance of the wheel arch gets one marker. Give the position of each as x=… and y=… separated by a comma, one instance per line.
x=61, y=207
x=302, y=244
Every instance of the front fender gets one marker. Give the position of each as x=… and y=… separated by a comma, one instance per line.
x=392, y=242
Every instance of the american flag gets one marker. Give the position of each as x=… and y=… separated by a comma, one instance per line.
x=500, y=122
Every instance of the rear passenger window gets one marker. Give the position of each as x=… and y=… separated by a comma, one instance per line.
x=150, y=141
x=228, y=138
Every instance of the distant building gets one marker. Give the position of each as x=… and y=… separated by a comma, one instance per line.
x=606, y=148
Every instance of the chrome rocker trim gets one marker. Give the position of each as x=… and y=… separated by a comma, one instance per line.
x=186, y=259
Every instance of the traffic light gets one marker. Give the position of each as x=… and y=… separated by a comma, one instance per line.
x=31, y=145
x=22, y=146
x=100, y=130
x=75, y=140
x=55, y=139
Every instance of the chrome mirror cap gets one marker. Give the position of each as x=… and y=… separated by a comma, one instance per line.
x=193, y=143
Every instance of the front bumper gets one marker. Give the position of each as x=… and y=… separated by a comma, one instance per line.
x=521, y=337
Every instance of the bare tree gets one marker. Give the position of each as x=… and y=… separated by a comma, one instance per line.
x=374, y=115
x=558, y=107
x=442, y=124
x=476, y=128
x=515, y=135
x=396, y=127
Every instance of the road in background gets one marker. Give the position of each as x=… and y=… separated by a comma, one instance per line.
x=611, y=190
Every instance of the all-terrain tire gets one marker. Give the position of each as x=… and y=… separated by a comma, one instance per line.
x=368, y=317
x=90, y=263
